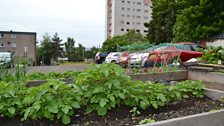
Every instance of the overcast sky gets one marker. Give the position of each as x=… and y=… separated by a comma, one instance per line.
x=84, y=20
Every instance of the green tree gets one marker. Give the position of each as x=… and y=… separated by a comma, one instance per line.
x=70, y=49
x=91, y=52
x=80, y=53
x=111, y=44
x=45, y=51
x=163, y=20
x=57, y=47
x=204, y=18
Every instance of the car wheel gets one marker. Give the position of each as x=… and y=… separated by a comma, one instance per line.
x=113, y=61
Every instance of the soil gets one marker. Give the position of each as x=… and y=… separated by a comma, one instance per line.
x=121, y=116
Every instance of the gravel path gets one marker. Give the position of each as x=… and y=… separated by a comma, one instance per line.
x=46, y=69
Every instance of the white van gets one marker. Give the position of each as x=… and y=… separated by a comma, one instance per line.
x=5, y=57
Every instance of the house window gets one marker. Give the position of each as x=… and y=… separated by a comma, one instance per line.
x=122, y=8
x=2, y=36
x=128, y=23
x=122, y=1
x=128, y=9
x=2, y=45
x=127, y=30
x=128, y=16
x=138, y=23
x=138, y=30
x=145, y=31
x=128, y=2
x=25, y=51
x=13, y=45
x=138, y=10
x=122, y=15
x=13, y=36
x=122, y=29
x=138, y=16
x=138, y=3
x=146, y=17
x=146, y=11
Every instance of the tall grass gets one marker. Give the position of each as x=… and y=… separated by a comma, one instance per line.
x=13, y=71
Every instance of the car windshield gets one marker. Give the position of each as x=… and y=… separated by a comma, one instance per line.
x=162, y=48
x=103, y=54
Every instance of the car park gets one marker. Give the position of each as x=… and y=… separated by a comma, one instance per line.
x=169, y=55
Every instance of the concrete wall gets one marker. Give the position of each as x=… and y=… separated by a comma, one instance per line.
x=216, y=43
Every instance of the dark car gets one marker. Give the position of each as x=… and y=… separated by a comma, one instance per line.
x=100, y=57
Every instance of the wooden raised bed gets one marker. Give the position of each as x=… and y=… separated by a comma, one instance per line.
x=213, y=80
x=157, y=77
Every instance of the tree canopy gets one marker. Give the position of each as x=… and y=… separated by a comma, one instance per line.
x=204, y=19
x=111, y=44
x=185, y=20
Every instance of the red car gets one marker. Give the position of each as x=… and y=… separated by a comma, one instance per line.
x=169, y=55
x=123, y=59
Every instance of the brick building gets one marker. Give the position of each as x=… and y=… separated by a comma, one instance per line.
x=23, y=44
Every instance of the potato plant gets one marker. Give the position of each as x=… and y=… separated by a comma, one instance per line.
x=103, y=87
x=54, y=99
x=98, y=89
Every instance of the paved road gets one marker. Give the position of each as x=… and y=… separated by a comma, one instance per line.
x=46, y=69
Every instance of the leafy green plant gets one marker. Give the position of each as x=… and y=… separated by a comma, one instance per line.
x=52, y=75
x=53, y=99
x=11, y=96
x=212, y=54
x=134, y=111
x=103, y=87
x=146, y=121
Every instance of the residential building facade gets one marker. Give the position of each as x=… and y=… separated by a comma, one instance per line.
x=22, y=44
x=124, y=15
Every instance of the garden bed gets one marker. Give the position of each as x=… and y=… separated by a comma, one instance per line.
x=161, y=76
x=212, y=80
x=109, y=96
x=121, y=115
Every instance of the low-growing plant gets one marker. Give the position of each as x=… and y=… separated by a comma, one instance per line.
x=146, y=121
x=98, y=89
x=103, y=87
x=11, y=96
x=52, y=75
x=134, y=111
x=53, y=99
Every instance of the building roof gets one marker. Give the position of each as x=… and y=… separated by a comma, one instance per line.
x=17, y=32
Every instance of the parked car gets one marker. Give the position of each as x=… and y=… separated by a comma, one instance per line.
x=6, y=59
x=169, y=55
x=100, y=57
x=189, y=45
x=123, y=59
x=112, y=57
x=138, y=59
